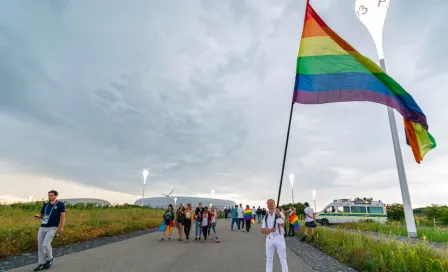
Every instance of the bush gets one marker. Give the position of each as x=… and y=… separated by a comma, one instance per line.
x=300, y=207
x=438, y=213
x=395, y=212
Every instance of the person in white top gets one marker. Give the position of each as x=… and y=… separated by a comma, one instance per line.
x=240, y=217
x=254, y=212
x=273, y=225
x=309, y=221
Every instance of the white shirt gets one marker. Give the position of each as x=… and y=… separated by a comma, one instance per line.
x=309, y=213
x=205, y=220
x=240, y=213
x=254, y=211
x=271, y=221
x=213, y=217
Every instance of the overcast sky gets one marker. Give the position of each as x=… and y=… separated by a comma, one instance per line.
x=92, y=92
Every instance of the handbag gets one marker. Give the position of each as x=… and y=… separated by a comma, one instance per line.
x=162, y=226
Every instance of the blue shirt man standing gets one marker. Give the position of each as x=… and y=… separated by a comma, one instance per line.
x=235, y=217
x=53, y=220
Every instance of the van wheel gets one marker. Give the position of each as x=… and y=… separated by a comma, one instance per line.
x=325, y=222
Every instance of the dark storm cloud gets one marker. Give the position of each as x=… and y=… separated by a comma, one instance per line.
x=198, y=92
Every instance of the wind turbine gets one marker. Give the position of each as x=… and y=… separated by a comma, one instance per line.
x=168, y=195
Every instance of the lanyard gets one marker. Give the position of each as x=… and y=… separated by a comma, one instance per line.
x=50, y=210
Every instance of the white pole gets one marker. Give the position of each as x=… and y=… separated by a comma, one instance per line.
x=145, y=175
x=314, y=198
x=373, y=15
x=291, y=179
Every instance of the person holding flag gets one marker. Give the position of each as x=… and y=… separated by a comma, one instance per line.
x=248, y=217
x=293, y=222
x=273, y=225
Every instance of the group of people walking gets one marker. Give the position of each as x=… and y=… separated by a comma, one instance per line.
x=244, y=217
x=203, y=219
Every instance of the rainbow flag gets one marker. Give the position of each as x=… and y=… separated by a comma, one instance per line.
x=330, y=70
x=247, y=214
x=293, y=219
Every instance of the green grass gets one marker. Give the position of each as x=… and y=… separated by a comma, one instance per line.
x=18, y=228
x=436, y=234
x=366, y=253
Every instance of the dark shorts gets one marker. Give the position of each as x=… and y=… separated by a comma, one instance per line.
x=311, y=224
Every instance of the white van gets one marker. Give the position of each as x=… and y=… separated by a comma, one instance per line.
x=346, y=210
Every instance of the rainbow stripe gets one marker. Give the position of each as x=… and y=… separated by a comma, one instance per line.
x=420, y=140
x=247, y=214
x=330, y=70
x=294, y=220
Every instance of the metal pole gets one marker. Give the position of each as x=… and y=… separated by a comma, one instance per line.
x=144, y=184
x=292, y=189
x=284, y=155
x=315, y=210
x=408, y=213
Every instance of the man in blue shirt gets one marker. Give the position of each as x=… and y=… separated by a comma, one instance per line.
x=235, y=217
x=53, y=220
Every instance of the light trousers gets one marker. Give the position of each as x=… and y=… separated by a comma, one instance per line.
x=44, y=238
x=276, y=243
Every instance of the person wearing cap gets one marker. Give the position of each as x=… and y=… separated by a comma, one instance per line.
x=273, y=225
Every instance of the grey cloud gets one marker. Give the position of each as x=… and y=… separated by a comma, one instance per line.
x=196, y=92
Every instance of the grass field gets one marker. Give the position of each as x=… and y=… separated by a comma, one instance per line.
x=366, y=253
x=18, y=227
x=436, y=234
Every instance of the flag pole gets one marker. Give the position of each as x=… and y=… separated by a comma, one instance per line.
x=407, y=205
x=289, y=128
x=284, y=155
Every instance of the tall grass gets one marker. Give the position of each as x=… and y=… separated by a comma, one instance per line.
x=436, y=234
x=366, y=253
x=18, y=227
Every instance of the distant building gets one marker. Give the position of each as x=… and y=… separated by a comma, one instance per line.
x=163, y=202
x=73, y=201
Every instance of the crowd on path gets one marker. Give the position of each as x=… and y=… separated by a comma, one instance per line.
x=203, y=219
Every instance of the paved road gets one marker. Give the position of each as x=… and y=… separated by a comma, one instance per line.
x=238, y=251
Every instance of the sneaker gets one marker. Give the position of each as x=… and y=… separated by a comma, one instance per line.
x=169, y=238
x=195, y=238
x=49, y=263
x=40, y=267
x=303, y=238
x=163, y=238
x=199, y=238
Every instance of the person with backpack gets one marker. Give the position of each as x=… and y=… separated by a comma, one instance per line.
x=273, y=225
x=168, y=217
